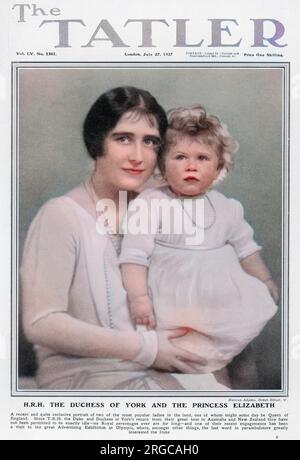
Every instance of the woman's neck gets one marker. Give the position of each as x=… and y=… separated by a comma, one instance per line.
x=102, y=190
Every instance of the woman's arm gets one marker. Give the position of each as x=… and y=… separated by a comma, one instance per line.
x=69, y=335
x=255, y=266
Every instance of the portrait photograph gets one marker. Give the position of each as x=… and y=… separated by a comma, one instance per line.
x=104, y=314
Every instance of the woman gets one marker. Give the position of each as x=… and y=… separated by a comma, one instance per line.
x=74, y=304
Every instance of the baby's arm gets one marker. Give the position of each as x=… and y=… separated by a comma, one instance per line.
x=135, y=282
x=248, y=251
x=255, y=266
x=135, y=256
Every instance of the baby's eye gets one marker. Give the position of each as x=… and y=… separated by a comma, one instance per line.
x=202, y=157
x=180, y=156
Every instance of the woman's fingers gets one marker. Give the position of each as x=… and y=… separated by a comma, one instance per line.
x=184, y=367
x=192, y=357
x=180, y=332
x=174, y=359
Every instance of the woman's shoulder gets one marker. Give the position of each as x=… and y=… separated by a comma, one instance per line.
x=58, y=210
x=60, y=205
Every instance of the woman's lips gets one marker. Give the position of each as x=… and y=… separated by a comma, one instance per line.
x=133, y=171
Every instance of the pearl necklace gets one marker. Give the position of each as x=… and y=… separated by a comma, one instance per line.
x=114, y=238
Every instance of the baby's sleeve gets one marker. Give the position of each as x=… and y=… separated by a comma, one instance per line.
x=140, y=227
x=240, y=232
x=48, y=263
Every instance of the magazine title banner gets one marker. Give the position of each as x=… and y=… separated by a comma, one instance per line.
x=222, y=32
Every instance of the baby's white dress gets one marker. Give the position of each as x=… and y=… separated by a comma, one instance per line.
x=202, y=285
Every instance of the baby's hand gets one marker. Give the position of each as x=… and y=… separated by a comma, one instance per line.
x=273, y=289
x=142, y=311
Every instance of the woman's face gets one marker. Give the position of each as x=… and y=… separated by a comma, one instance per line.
x=191, y=166
x=129, y=153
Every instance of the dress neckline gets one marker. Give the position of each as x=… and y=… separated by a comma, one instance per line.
x=81, y=190
x=78, y=205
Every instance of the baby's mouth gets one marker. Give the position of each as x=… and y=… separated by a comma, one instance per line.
x=191, y=179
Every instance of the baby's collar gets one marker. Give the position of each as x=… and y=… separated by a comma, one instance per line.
x=172, y=194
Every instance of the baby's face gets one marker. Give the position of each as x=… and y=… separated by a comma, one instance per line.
x=191, y=166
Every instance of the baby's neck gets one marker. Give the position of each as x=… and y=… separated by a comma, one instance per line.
x=182, y=195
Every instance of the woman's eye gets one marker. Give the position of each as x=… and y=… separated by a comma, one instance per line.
x=151, y=142
x=180, y=157
x=123, y=139
x=202, y=157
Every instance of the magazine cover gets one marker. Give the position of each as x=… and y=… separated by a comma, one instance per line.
x=149, y=218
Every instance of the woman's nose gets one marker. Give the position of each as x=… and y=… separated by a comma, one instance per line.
x=136, y=153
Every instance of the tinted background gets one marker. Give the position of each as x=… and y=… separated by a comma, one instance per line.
x=52, y=157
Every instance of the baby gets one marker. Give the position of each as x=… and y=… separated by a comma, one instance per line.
x=216, y=286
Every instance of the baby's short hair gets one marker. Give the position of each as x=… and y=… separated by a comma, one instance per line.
x=194, y=122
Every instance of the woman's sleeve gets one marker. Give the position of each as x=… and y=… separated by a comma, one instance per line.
x=140, y=228
x=48, y=263
x=240, y=232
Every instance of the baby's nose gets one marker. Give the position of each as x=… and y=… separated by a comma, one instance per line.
x=191, y=166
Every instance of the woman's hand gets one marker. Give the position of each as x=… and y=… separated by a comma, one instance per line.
x=273, y=289
x=174, y=359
